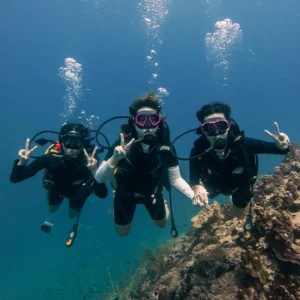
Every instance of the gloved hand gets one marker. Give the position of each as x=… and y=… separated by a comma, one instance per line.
x=120, y=152
x=25, y=153
x=281, y=139
x=201, y=195
x=92, y=161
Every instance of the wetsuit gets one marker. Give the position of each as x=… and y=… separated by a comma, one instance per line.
x=62, y=178
x=229, y=174
x=140, y=179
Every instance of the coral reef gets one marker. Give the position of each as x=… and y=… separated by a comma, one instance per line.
x=218, y=259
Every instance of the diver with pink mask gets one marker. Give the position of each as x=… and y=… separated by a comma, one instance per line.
x=140, y=165
x=223, y=160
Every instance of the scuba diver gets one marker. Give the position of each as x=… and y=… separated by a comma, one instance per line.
x=70, y=165
x=223, y=161
x=140, y=164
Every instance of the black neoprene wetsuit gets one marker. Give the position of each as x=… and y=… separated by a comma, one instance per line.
x=62, y=178
x=137, y=182
x=228, y=174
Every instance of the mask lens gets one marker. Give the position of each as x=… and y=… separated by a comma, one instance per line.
x=154, y=119
x=222, y=126
x=141, y=119
x=215, y=127
x=208, y=128
x=73, y=142
x=147, y=120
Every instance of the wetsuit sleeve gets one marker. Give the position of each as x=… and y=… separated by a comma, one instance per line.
x=194, y=169
x=20, y=173
x=169, y=159
x=105, y=171
x=100, y=190
x=179, y=183
x=110, y=152
x=256, y=146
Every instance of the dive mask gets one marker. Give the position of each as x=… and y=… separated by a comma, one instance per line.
x=147, y=120
x=73, y=142
x=215, y=126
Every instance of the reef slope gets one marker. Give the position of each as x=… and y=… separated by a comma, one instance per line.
x=217, y=259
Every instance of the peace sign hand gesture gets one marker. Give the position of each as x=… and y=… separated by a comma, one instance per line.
x=25, y=153
x=91, y=160
x=120, y=151
x=281, y=139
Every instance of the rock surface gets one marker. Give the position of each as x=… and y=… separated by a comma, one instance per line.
x=217, y=259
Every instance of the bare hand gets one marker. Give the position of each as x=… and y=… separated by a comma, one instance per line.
x=91, y=160
x=281, y=139
x=25, y=153
x=200, y=198
x=120, y=151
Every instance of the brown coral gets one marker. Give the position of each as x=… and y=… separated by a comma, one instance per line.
x=209, y=214
x=214, y=261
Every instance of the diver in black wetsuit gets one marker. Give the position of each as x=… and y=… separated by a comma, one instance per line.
x=69, y=167
x=231, y=167
x=141, y=164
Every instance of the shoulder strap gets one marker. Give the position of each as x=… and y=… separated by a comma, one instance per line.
x=251, y=173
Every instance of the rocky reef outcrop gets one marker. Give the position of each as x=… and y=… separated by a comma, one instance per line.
x=219, y=259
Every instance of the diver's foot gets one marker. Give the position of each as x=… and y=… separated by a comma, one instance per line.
x=167, y=209
x=123, y=230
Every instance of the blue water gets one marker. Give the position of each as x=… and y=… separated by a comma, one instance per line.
x=109, y=40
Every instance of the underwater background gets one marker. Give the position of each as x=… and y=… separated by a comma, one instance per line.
x=245, y=53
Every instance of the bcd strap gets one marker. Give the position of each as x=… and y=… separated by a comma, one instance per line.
x=249, y=168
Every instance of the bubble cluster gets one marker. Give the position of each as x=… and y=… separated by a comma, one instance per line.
x=221, y=43
x=153, y=13
x=71, y=74
x=161, y=94
x=90, y=121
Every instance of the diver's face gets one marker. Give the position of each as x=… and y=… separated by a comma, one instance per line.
x=74, y=153
x=215, y=121
x=147, y=129
x=72, y=144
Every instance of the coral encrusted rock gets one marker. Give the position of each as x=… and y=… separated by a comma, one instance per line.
x=218, y=259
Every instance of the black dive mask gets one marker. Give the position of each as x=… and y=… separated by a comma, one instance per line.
x=73, y=142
